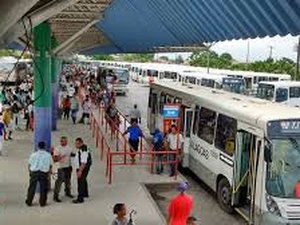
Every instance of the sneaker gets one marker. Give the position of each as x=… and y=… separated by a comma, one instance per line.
x=28, y=203
x=77, y=201
x=69, y=196
x=57, y=200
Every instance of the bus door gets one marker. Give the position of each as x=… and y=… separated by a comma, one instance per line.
x=188, y=117
x=245, y=174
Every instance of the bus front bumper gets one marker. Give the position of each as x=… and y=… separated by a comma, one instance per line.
x=271, y=219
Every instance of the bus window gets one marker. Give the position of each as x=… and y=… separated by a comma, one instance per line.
x=169, y=99
x=162, y=102
x=225, y=135
x=273, y=79
x=262, y=79
x=177, y=100
x=196, y=121
x=255, y=80
x=154, y=104
x=281, y=94
x=294, y=92
x=207, y=125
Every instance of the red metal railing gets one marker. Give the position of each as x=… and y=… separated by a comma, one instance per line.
x=100, y=125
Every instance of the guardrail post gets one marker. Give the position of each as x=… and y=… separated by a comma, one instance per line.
x=110, y=169
x=117, y=141
x=152, y=157
x=176, y=165
x=102, y=147
x=125, y=150
x=97, y=135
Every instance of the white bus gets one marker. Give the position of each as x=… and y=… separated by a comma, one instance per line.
x=286, y=92
x=245, y=149
x=118, y=77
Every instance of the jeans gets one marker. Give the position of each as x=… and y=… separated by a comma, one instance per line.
x=159, y=158
x=74, y=115
x=82, y=185
x=63, y=176
x=42, y=178
x=172, y=159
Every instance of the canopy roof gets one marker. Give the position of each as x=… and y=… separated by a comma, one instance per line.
x=117, y=26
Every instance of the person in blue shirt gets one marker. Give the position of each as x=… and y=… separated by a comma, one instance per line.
x=158, y=139
x=40, y=163
x=135, y=133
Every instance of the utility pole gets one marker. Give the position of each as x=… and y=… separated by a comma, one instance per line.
x=271, y=51
x=248, y=53
x=208, y=60
x=298, y=59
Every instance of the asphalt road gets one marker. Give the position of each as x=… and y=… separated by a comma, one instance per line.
x=206, y=208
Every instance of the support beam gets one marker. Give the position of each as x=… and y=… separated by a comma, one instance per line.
x=12, y=11
x=38, y=16
x=42, y=85
x=74, y=37
x=68, y=47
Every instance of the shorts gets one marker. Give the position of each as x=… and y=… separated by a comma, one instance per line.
x=134, y=145
x=10, y=127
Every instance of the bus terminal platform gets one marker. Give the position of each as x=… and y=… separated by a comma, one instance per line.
x=127, y=186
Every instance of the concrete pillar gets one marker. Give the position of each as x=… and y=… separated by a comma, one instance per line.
x=55, y=71
x=42, y=85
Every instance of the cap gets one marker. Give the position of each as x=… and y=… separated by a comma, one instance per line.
x=183, y=186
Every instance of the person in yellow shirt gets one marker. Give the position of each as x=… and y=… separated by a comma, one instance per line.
x=7, y=119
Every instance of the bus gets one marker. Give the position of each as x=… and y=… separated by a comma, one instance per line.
x=118, y=77
x=245, y=149
x=286, y=92
x=252, y=79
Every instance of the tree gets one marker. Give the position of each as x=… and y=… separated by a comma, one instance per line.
x=137, y=57
x=164, y=58
x=179, y=60
x=103, y=57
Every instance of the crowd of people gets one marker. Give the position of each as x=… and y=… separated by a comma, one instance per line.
x=80, y=89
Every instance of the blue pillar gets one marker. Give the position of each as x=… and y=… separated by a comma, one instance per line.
x=42, y=85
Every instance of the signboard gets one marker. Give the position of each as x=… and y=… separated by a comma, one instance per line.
x=171, y=111
x=284, y=128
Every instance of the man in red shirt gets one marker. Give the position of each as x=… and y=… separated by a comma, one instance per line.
x=180, y=206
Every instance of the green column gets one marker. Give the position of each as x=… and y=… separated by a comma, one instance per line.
x=42, y=84
x=55, y=71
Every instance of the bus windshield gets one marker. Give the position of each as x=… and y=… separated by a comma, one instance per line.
x=234, y=85
x=283, y=173
x=284, y=170
x=121, y=75
x=265, y=91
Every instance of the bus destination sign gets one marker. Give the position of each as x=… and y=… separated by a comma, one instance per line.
x=171, y=111
x=284, y=128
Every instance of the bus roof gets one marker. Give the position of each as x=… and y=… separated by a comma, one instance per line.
x=247, y=109
x=282, y=83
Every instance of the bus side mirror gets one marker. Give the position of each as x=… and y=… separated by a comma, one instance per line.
x=268, y=151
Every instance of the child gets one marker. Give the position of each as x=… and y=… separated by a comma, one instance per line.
x=191, y=221
x=120, y=212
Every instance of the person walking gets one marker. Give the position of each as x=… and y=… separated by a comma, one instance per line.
x=158, y=139
x=175, y=141
x=74, y=109
x=135, y=133
x=67, y=107
x=39, y=168
x=83, y=162
x=180, y=206
x=8, y=121
x=2, y=132
x=86, y=109
x=135, y=114
x=62, y=155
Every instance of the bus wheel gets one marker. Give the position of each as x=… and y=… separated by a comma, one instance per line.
x=224, y=195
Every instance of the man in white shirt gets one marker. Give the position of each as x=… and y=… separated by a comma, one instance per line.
x=39, y=167
x=135, y=114
x=82, y=164
x=175, y=141
x=62, y=156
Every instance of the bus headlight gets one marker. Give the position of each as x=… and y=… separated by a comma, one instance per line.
x=272, y=206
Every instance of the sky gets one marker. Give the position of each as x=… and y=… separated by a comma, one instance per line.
x=259, y=48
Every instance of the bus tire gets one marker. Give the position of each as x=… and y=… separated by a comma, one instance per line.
x=224, y=195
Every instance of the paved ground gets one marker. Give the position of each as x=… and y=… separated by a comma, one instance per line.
x=206, y=206
x=96, y=210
